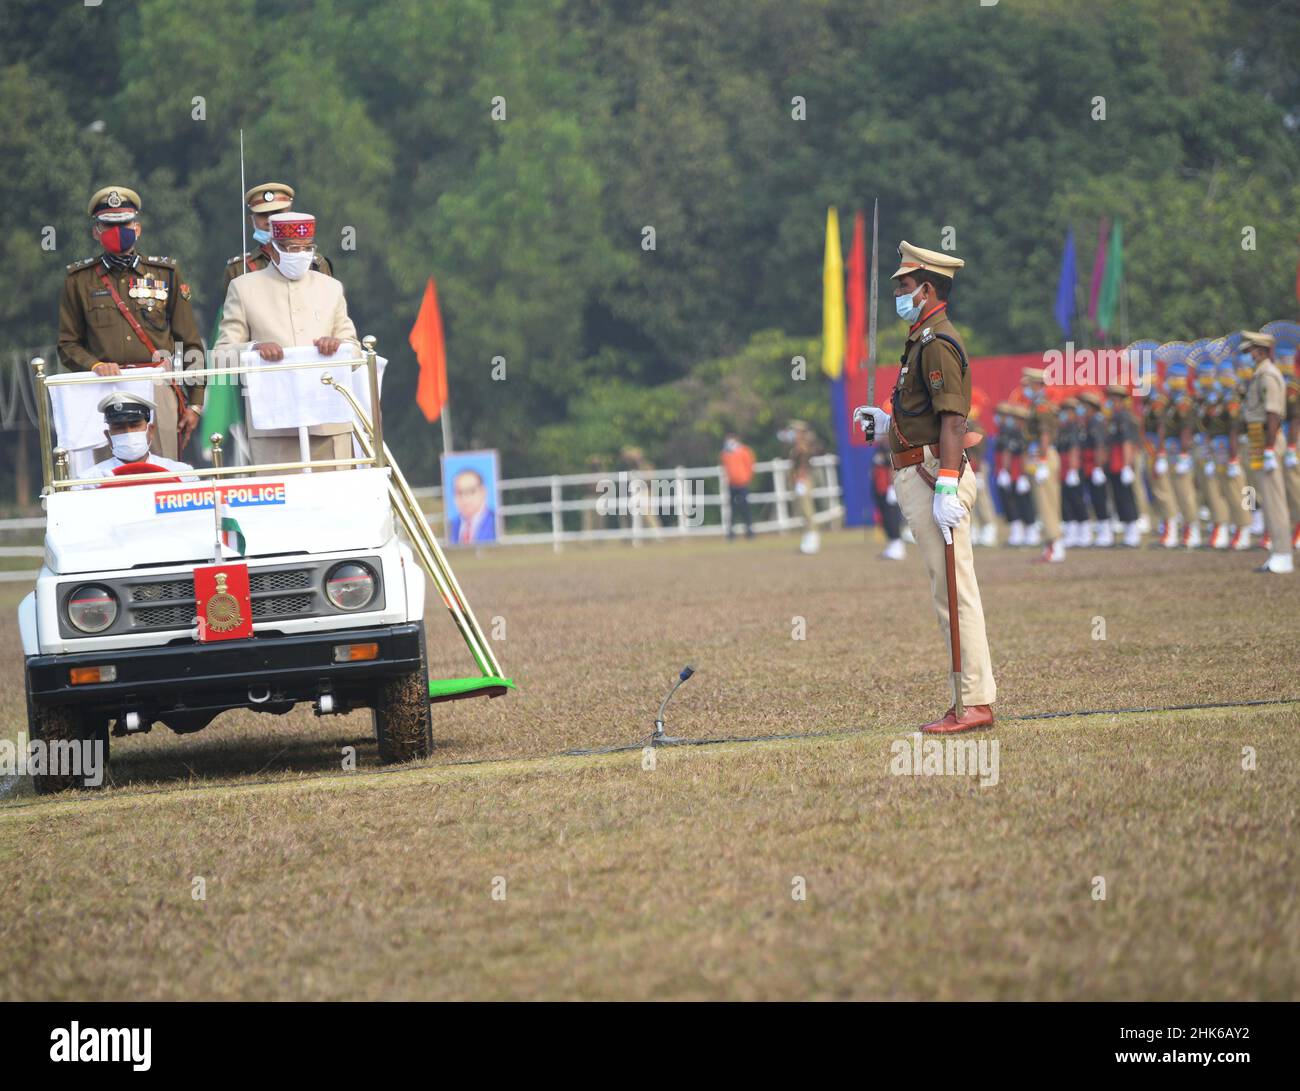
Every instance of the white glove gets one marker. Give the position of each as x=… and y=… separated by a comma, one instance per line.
x=1183, y=465
x=1040, y=473
x=1004, y=479
x=1098, y=476
x=1233, y=469
x=948, y=510
x=879, y=418
x=1209, y=467
x=891, y=497
x=1127, y=476
x=1072, y=478
x=1290, y=460
x=1022, y=484
x=1270, y=460
x=1161, y=466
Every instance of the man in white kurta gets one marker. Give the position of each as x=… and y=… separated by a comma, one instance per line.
x=288, y=304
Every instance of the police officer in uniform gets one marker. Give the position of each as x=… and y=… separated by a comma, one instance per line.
x=1263, y=410
x=129, y=428
x=1074, y=508
x=262, y=201
x=933, y=481
x=120, y=310
x=1123, y=440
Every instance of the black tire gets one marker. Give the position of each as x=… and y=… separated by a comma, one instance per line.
x=62, y=724
x=403, y=721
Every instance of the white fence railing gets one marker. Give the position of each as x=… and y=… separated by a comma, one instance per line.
x=686, y=501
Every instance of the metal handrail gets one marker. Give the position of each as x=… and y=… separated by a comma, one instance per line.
x=54, y=460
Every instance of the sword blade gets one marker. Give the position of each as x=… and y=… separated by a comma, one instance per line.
x=871, y=321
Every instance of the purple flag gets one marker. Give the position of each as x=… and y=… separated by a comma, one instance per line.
x=1098, y=271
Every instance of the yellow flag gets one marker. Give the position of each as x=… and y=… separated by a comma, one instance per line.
x=833, y=299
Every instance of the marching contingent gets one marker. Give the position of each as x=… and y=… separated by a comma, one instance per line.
x=1199, y=453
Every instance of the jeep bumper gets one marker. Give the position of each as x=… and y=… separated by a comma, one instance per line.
x=268, y=672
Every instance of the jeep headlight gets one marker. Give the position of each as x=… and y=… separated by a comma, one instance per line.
x=350, y=585
x=92, y=608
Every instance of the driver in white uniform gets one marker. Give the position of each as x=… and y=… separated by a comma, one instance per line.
x=130, y=432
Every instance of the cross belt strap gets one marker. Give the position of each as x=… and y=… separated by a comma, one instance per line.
x=181, y=404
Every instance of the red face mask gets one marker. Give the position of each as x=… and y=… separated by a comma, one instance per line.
x=118, y=240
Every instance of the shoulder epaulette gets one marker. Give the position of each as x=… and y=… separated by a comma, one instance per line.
x=164, y=260
x=241, y=257
x=81, y=264
x=926, y=336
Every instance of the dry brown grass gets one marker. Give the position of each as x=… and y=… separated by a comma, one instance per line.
x=676, y=882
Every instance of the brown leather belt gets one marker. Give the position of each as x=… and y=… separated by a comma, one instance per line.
x=913, y=456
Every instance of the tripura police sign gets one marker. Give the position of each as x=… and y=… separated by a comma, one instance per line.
x=199, y=497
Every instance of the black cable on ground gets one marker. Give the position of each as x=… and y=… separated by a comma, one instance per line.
x=87, y=797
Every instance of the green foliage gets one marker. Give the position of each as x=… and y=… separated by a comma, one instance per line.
x=676, y=116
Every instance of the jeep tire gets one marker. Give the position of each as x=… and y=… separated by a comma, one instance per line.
x=403, y=720
x=64, y=724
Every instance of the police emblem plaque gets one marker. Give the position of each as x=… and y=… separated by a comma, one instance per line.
x=222, y=602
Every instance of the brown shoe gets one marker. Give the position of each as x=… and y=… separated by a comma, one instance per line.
x=949, y=717
x=973, y=718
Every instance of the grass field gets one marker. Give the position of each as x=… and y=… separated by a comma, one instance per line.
x=502, y=868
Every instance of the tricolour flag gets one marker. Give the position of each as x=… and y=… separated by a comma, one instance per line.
x=427, y=341
x=833, y=298
x=230, y=534
x=222, y=408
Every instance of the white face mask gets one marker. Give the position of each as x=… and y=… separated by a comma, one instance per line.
x=130, y=446
x=293, y=266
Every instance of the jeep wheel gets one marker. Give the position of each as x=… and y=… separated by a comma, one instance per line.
x=403, y=722
x=59, y=724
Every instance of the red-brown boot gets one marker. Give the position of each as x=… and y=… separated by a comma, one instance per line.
x=949, y=717
x=973, y=718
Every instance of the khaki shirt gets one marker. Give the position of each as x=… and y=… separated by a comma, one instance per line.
x=260, y=259
x=931, y=381
x=1265, y=394
x=93, y=330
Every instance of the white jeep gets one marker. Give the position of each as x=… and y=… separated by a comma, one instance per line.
x=115, y=634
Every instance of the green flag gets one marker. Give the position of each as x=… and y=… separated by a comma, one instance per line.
x=1108, y=301
x=221, y=407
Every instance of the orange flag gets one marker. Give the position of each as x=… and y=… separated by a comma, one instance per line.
x=426, y=340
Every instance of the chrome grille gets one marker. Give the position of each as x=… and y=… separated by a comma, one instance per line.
x=164, y=617
x=291, y=580
x=281, y=606
x=160, y=592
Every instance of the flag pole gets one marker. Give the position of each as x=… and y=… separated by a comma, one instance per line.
x=445, y=418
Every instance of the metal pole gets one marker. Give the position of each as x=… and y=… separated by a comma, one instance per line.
x=43, y=419
x=376, y=411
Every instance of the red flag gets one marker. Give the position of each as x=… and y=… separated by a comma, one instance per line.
x=426, y=340
x=856, y=349
x=1098, y=270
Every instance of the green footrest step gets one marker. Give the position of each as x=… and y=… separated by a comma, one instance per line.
x=455, y=689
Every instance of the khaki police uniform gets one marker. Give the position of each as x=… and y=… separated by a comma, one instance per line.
x=156, y=296
x=933, y=379
x=1267, y=394
x=266, y=198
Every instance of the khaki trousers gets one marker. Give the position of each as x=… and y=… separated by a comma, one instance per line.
x=1162, y=492
x=1293, y=492
x=916, y=500
x=1140, y=486
x=983, y=513
x=285, y=449
x=1184, y=486
x=1272, y=500
x=1047, y=496
x=1211, y=474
